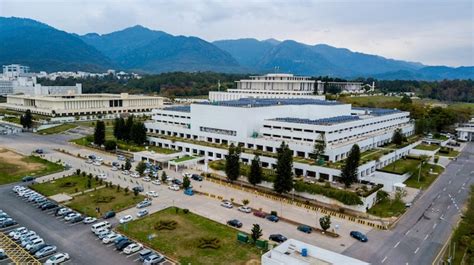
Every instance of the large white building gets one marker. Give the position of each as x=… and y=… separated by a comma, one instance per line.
x=270, y=86
x=465, y=132
x=82, y=104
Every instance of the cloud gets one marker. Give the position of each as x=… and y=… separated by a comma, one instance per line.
x=432, y=32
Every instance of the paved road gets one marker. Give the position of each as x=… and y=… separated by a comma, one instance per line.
x=75, y=239
x=424, y=229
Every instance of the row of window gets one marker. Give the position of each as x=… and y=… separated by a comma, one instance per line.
x=173, y=116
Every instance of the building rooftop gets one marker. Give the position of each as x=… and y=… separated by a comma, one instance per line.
x=179, y=108
x=323, y=121
x=266, y=102
x=377, y=111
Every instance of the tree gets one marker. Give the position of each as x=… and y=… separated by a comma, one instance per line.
x=284, y=170
x=163, y=176
x=381, y=195
x=128, y=165
x=135, y=192
x=255, y=173
x=397, y=137
x=26, y=120
x=256, y=232
x=325, y=222
x=245, y=202
x=138, y=133
x=89, y=183
x=350, y=168
x=232, y=165
x=110, y=145
x=406, y=100
x=319, y=149
x=99, y=133
x=119, y=128
x=140, y=168
x=127, y=128
x=186, y=182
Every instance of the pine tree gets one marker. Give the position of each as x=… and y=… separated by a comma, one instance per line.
x=138, y=133
x=350, y=168
x=26, y=120
x=397, y=137
x=127, y=128
x=140, y=168
x=232, y=165
x=319, y=149
x=255, y=173
x=119, y=127
x=284, y=170
x=186, y=182
x=99, y=133
x=256, y=232
x=128, y=165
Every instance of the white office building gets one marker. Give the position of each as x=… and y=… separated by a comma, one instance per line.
x=83, y=104
x=270, y=86
x=15, y=70
x=465, y=132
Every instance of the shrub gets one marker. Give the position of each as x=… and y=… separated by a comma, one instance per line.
x=185, y=211
x=209, y=242
x=110, y=145
x=346, y=197
x=274, y=213
x=165, y=225
x=104, y=199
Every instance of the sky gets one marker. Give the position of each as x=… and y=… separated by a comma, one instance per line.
x=433, y=32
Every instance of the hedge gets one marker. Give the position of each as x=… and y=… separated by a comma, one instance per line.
x=267, y=174
x=346, y=197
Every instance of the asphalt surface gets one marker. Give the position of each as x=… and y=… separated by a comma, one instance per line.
x=75, y=239
x=424, y=229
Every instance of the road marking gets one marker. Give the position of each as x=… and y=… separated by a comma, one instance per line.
x=425, y=237
x=448, y=206
x=384, y=259
x=434, y=225
x=396, y=245
x=416, y=250
x=135, y=260
x=459, y=191
x=407, y=232
x=450, y=181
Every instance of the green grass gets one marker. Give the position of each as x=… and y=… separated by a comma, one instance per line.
x=106, y=199
x=427, y=147
x=425, y=177
x=10, y=172
x=183, y=158
x=402, y=166
x=388, y=208
x=58, y=129
x=182, y=242
x=370, y=101
x=452, y=153
x=70, y=185
x=12, y=119
x=267, y=174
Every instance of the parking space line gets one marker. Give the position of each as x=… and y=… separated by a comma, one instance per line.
x=396, y=245
x=425, y=237
x=416, y=250
x=384, y=259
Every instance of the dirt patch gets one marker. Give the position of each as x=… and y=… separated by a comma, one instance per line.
x=16, y=163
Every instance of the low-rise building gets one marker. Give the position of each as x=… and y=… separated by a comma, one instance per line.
x=465, y=132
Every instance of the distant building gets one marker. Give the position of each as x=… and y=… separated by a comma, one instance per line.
x=270, y=86
x=82, y=104
x=6, y=87
x=295, y=252
x=15, y=70
x=465, y=132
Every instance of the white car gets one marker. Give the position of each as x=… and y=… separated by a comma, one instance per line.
x=89, y=161
x=17, y=231
x=173, y=187
x=156, y=182
x=125, y=172
x=152, y=193
x=186, y=174
x=126, y=219
x=227, y=204
x=134, y=175
x=132, y=248
x=71, y=216
x=102, y=176
x=98, y=158
x=245, y=209
x=57, y=258
x=89, y=220
x=147, y=179
x=142, y=213
x=110, y=238
x=114, y=168
x=97, y=163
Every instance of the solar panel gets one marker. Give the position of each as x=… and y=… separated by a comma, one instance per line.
x=323, y=121
x=179, y=108
x=263, y=102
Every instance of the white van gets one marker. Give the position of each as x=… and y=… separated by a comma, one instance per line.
x=101, y=225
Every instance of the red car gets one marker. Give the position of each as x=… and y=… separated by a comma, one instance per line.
x=260, y=214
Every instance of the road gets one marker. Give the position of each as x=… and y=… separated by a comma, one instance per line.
x=425, y=228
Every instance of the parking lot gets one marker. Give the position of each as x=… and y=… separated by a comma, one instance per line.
x=75, y=239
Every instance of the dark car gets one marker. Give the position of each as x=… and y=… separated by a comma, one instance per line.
x=305, y=229
x=120, y=239
x=39, y=151
x=277, y=238
x=115, y=164
x=27, y=179
x=41, y=203
x=234, y=223
x=48, y=206
x=123, y=244
x=3, y=255
x=77, y=219
x=177, y=182
x=33, y=250
x=7, y=223
x=260, y=214
x=138, y=189
x=196, y=177
x=144, y=254
x=109, y=214
x=92, y=157
x=272, y=218
x=359, y=236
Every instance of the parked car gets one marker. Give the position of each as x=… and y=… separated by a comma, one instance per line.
x=227, y=204
x=196, y=177
x=39, y=151
x=359, y=236
x=121, y=157
x=147, y=179
x=109, y=214
x=177, y=182
x=245, y=209
x=2, y=254
x=277, y=238
x=104, y=233
x=7, y=223
x=123, y=244
x=119, y=239
x=132, y=248
x=57, y=258
x=138, y=188
x=126, y=219
x=49, y=205
x=125, y=172
x=156, y=182
x=305, y=229
x=143, y=204
x=17, y=230
x=134, y=175
x=142, y=213
x=27, y=178
x=110, y=238
x=46, y=251
x=155, y=258
x=70, y=216
x=97, y=163
x=92, y=157
x=272, y=218
x=63, y=211
x=234, y=223
x=89, y=220
x=260, y=214
x=115, y=164
x=77, y=219
x=35, y=249
x=173, y=187
x=144, y=254
x=152, y=193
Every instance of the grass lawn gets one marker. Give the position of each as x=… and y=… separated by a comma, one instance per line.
x=16, y=166
x=106, y=199
x=372, y=101
x=388, y=208
x=69, y=185
x=183, y=158
x=452, y=153
x=427, y=147
x=402, y=166
x=58, y=129
x=425, y=177
x=182, y=243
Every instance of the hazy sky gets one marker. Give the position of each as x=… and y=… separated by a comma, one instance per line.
x=429, y=31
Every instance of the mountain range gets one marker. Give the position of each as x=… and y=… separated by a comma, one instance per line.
x=143, y=50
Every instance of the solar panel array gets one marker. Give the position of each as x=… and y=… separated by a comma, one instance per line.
x=179, y=108
x=323, y=121
x=378, y=111
x=264, y=102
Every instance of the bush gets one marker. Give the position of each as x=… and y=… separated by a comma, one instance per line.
x=104, y=199
x=346, y=197
x=211, y=242
x=165, y=225
x=185, y=211
x=274, y=213
x=110, y=145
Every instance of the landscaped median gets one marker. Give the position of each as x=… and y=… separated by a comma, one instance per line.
x=14, y=166
x=69, y=185
x=191, y=239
